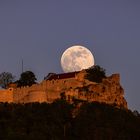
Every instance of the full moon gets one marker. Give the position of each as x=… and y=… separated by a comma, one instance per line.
x=76, y=58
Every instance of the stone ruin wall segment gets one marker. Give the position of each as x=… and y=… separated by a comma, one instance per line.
x=109, y=91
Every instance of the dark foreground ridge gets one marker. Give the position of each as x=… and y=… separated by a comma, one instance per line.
x=63, y=121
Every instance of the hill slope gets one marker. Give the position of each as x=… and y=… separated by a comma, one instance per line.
x=94, y=121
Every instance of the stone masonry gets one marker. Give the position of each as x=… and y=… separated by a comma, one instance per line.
x=77, y=87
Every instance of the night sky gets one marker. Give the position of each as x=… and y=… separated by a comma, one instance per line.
x=38, y=31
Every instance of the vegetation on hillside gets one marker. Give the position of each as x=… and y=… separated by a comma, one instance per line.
x=56, y=121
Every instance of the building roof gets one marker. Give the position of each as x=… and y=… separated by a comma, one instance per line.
x=61, y=76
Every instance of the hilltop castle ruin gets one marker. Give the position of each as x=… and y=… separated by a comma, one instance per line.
x=73, y=86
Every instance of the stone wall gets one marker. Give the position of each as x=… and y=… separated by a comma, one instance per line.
x=109, y=91
x=35, y=93
x=6, y=95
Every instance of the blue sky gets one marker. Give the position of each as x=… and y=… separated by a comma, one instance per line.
x=38, y=31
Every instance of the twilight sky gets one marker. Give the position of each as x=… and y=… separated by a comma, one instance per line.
x=38, y=31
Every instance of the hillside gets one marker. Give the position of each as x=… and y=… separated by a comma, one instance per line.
x=93, y=121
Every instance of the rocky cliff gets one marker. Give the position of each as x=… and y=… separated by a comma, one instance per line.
x=108, y=91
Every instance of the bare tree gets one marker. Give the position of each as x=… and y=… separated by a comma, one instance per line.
x=5, y=79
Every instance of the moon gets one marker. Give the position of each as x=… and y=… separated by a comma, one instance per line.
x=76, y=58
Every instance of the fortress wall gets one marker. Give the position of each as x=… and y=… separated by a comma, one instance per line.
x=35, y=96
x=29, y=94
x=6, y=95
x=63, y=84
x=19, y=94
x=81, y=75
x=109, y=91
x=72, y=94
x=51, y=96
x=46, y=91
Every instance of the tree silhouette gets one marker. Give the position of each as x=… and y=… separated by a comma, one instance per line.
x=5, y=79
x=95, y=74
x=27, y=78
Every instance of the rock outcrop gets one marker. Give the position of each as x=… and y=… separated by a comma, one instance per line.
x=109, y=91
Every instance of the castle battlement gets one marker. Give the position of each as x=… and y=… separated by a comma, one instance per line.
x=73, y=85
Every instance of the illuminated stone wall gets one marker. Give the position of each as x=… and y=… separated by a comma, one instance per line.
x=109, y=91
x=6, y=95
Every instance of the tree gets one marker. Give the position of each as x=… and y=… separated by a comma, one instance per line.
x=27, y=78
x=5, y=79
x=95, y=74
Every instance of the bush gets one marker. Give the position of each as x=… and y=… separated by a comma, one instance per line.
x=95, y=74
